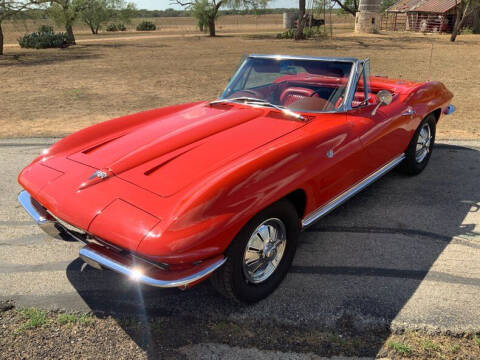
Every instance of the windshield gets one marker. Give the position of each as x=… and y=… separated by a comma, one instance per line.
x=307, y=85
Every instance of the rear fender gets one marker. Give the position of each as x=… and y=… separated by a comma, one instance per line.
x=427, y=98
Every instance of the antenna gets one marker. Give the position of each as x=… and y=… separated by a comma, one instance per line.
x=429, y=75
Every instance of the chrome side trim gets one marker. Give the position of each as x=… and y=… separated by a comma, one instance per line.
x=351, y=87
x=295, y=57
x=409, y=112
x=449, y=109
x=325, y=209
x=89, y=255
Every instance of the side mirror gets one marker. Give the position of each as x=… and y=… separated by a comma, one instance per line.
x=384, y=97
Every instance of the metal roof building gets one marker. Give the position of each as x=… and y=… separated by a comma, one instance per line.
x=421, y=16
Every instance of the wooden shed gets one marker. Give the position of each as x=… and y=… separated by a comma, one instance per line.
x=421, y=16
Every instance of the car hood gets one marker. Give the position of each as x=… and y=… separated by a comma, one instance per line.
x=165, y=156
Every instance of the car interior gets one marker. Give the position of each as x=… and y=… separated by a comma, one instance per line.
x=301, y=86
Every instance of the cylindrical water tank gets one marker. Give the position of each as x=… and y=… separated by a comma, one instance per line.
x=289, y=19
x=369, y=5
x=367, y=19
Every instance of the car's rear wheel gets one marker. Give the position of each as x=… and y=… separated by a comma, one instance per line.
x=260, y=255
x=420, y=148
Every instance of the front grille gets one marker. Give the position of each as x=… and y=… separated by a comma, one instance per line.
x=68, y=226
x=83, y=236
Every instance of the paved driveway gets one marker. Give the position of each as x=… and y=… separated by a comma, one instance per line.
x=403, y=253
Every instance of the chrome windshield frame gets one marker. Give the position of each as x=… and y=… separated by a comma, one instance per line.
x=350, y=88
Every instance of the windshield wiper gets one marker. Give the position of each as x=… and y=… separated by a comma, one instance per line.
x=259, y=102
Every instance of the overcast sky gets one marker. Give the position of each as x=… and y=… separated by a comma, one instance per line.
x=163, y=4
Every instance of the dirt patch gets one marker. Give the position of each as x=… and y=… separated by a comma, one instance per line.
x=56, y=92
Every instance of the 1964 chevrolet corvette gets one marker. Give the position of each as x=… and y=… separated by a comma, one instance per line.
x=221, y=189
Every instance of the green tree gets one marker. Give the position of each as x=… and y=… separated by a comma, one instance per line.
x=351, y=6
x=207, y=11
x=96, y=13
x=301, y=20
x=476, y=22
x=385, y=4
x=202, y=10
x=11, y=8
x=65, y=12
x=347, y=6
x=465, y=9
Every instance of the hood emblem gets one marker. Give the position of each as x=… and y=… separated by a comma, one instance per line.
x=95, y=178
x=98, y=174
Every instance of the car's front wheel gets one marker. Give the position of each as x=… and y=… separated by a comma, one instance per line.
x=260, y=255
x=420, y=148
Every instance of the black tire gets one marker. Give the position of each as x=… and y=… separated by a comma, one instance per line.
x=231, y=281
x=411, y=165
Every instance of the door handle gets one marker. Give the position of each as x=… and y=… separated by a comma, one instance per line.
x=409, y=112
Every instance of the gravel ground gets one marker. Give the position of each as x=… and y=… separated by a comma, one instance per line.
x=401, y=257
x=35, y=334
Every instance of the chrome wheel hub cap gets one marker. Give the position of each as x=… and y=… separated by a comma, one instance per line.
x=264, y=250
x=423, y=143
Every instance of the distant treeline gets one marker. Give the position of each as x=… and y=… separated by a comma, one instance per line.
x=144, y=13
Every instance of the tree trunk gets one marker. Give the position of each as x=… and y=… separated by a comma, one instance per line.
x=453, y=37
x=301, y=20
x=211, y=26
x=458, y=21
x=70, y=36
x=92, y=29
x=1, y=38
x=476, y=21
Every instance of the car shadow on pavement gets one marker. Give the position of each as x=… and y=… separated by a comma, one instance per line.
x=356, y=271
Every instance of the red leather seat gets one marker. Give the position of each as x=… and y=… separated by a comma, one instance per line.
x=293, y=94
x=360, y=97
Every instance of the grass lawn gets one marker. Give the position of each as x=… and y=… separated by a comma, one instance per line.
x=57, y=91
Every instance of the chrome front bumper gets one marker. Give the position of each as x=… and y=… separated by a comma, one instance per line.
x=113, y=258
x=141, y=272
x=47, y=222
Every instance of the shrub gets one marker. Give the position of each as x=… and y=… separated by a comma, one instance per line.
x=146, y=26
x=111, y=27
x=45, y=29
x=307, y=33
x=43, y=40
x=116, y=27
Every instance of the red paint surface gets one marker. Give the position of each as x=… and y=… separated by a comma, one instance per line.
x=187, y=178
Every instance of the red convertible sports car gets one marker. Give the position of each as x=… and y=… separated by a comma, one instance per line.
x=221, y=189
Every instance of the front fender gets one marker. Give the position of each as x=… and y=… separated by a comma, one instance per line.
x=214, y=210
x=428, y=97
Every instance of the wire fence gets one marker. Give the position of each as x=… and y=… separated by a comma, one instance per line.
x=418, y=22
